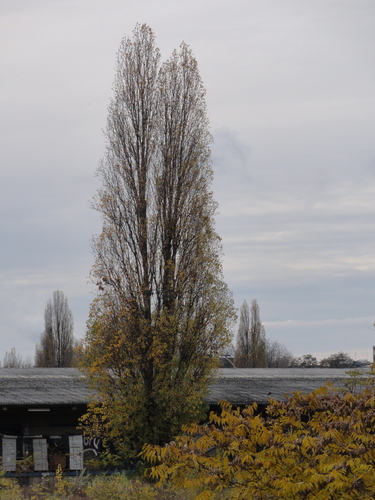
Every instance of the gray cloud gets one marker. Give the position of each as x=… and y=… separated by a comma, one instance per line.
x=290, y=92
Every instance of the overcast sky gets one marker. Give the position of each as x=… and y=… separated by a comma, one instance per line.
x=291, y=100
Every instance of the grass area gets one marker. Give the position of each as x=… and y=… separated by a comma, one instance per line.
x=86, y=487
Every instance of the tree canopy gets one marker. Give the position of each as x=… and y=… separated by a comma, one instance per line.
x=337, y=360
x=305, y=361
x=163, y=311
x=277, y=355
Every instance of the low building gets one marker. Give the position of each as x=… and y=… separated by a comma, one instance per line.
x=39, y=412
x=40, y=408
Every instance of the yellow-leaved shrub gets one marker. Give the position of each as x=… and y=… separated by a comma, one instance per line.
x=313, y=446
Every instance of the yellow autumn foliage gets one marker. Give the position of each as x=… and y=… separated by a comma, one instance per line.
x=313, y=446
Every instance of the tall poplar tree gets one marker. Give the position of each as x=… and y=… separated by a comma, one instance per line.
x=162, y=311
x=251, y=338
x=55, y=349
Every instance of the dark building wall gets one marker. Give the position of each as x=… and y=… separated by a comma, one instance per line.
x=52, y=426
x=45, y=421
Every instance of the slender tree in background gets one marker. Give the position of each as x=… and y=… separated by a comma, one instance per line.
x=243, y=347
x=14, y=360
x=163, y=311
x=56, y=342
x=251, y=338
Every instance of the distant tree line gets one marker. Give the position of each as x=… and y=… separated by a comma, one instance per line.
x=58, y=348
x=337, y=360
x=254, y=350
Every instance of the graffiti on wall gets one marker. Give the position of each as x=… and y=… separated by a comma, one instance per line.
x=91, y=446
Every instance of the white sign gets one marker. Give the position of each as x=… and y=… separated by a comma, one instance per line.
x=76, y=453
x=40, y=454
x=9, y=454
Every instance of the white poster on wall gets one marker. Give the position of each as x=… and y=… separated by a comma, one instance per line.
x=40, y=454
x=9, y=453
x=75, y=453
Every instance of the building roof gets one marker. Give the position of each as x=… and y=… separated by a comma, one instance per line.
x=48, y=386
x=42, y=386
x=243, y=386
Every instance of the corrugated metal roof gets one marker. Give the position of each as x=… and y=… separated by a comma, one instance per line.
x=247, y=385
x=42, y=386
x=47, y=386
